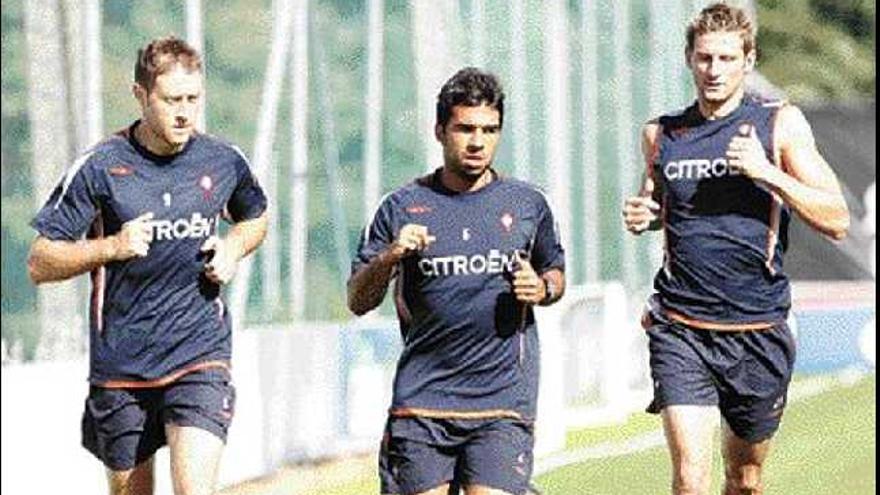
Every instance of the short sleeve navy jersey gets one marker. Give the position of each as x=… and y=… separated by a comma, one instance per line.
x=155, y=316
x=725, y=233
x=469, y=346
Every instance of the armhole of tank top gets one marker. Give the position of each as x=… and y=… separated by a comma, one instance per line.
x=776, y=201
x=651, y=160
x=774, y=137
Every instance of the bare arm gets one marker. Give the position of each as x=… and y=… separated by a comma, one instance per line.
x=642, y=212
x=241, y=240
x=52, y=261
x=805, y=181
x=556, y=278
x=367, y=286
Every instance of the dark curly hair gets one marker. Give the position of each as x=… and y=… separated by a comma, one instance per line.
x=470, y=87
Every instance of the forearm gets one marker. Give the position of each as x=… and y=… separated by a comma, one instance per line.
x=825, y=211
x=247, y=235
x=557, y=279
x=52, y=261
x=367, y=286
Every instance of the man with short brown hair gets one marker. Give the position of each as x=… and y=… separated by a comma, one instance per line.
x=140, y=211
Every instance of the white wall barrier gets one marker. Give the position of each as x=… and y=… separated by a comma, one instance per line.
x=319, y=390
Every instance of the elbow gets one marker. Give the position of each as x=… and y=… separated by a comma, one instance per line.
x=840, y=229
x=36, y=275
x=356, y=304
x=357, y=308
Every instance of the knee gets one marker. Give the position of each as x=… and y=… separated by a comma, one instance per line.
x=691, y=480
x=743, y=480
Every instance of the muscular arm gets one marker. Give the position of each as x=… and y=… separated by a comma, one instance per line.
x=242, y=239
x=52, y=261
x=805, y=181
x=641, y=212
x=55, y=260
x=247, y=235
x=367, y=286
x=812, y=189
x=557, y=278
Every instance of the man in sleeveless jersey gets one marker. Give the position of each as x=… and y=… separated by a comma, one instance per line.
x=472, y=252
x=722, y=178
x=148, y=200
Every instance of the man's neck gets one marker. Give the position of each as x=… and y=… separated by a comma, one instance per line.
x=457, y=183
x=153, y=142
x=712, y=110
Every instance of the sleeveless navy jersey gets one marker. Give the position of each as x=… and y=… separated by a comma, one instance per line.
x=157, y=316
x=725, y=233
x=469, y=346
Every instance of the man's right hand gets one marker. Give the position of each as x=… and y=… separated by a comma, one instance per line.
x=640, y=211
x=411, y=239
x=134, y=239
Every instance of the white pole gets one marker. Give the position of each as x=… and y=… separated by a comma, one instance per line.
x=373, y=104
x=518, y=90
x=432, y=50
x=626, y=156
x=265, y=172
x=478, y=32
x=590, y=122
x=662, y=34
x=51, y=145
x=299, y=78
x=556, y=64
x=93, y=79
x=195, y=38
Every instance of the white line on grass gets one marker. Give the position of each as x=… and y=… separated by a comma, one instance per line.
x=799, y=390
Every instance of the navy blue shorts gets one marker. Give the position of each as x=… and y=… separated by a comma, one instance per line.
x=745, y=373
x=419, y=454
x=125, y=426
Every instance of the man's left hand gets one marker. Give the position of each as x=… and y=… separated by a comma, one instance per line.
x=746, y=155
x=221, y=268
x=528, y=286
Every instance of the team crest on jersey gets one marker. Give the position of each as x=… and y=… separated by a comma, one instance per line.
x=507, y=222
x=207, y=186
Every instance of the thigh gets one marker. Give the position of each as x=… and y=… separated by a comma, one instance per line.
x=409, y=467
x=122, y=427
x=690, y=434
x=678, y=369
x=195, y=457
x=203, y=400
x=754, y=392
x=498, y=458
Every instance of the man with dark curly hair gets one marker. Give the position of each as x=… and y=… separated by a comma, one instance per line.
x=472, y=252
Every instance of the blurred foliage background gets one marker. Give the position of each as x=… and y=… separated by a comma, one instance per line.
x=816, y=50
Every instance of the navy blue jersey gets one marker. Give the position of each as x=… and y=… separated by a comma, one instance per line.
x=725, y=233
x=469, y=345
x=157, y=316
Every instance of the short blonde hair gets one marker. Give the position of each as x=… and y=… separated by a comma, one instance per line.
x=722, y=17
x=160, y=56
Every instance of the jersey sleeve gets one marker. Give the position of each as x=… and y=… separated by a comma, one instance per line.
x=376, y=236
x=248, y=201
x=72, y=206
x=547, y=252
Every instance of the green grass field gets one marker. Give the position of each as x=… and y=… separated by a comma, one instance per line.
x=826, y=446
